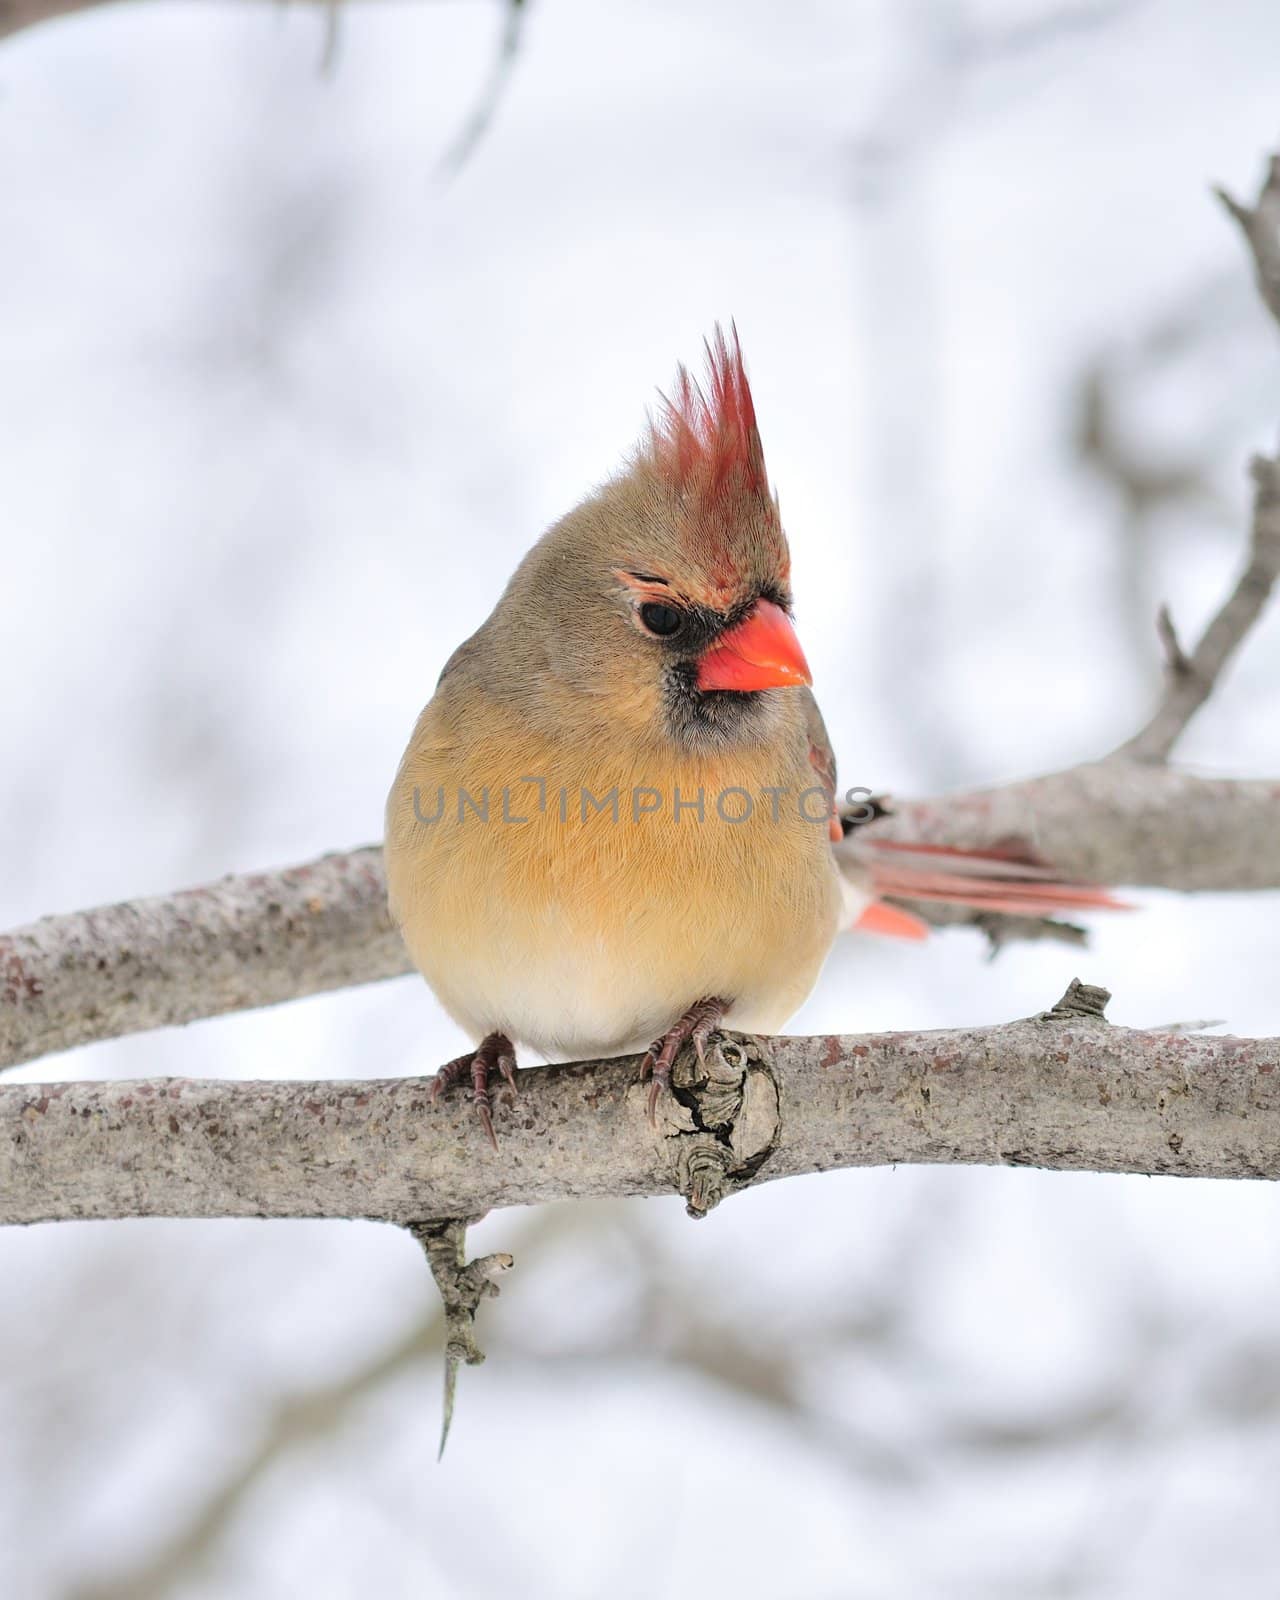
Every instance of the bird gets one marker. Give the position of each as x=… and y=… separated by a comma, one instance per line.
x=613, y=830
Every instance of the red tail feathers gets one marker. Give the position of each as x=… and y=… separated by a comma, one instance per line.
x=981, y=881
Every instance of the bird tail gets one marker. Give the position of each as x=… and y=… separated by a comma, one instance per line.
x=980, y=880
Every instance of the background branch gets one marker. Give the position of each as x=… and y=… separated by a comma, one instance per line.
x=306, y=1418
x=260, y=938
x=1190, y=678
x=1118, y=822
x=18, y=14
x=1260, y=224
x=15, y=15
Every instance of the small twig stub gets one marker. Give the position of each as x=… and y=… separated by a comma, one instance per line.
x=462, y=1285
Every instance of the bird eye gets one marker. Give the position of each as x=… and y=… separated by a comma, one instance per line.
x=664, y=621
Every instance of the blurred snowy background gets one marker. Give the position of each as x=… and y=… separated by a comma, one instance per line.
x=283, y=401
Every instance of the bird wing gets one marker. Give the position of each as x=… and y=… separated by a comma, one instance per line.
x=822, y=758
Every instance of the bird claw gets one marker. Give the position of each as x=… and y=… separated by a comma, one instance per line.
x=494, y=1050
x=450, y=1075
x=696, y=1026
x=480, y=1099
x=659, y=1079
x=507, y=1063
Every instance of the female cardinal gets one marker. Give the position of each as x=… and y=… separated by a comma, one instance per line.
x=613, y=823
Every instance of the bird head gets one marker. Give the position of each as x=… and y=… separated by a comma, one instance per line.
x=663, y=602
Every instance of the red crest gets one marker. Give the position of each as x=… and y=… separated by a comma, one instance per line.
x=706, y=440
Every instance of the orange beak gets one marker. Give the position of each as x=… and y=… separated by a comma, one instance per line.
x=762, y=652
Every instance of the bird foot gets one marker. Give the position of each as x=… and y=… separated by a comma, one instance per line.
x=696, y=1026
x=494, y=1050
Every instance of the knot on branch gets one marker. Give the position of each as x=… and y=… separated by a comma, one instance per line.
x=1083, y=1002
x=727, y=1115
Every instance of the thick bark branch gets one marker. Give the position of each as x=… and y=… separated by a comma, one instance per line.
x=1116, y=822
x=250, y=940
x=260, y=938
x=1062, y=1090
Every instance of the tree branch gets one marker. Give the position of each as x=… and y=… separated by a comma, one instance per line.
x=1115, y=821
x=261, y=938
x=486, y=107
x=18, y=14
x=1190, y=679
x=1062, y=1090
x=1260, y=224
x=253, y=939
x=15, y=15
